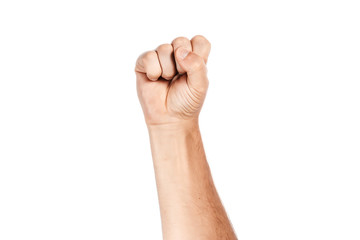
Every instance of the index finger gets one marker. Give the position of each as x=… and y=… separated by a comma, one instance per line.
x=201, y=46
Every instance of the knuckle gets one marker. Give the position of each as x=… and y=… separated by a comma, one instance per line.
x=180, y=41
x=165, y=48
x=141, y=62
x=148, y=56
x=201, y=40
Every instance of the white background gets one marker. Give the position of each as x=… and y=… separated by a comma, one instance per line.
x=280, y=123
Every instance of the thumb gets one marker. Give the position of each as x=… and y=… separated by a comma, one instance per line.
x=195, y=68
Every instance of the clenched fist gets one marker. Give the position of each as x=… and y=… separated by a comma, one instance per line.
x=172, y=81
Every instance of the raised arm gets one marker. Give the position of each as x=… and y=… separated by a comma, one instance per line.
x=172, y=85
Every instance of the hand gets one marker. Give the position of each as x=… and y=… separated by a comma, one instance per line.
x=172, y=82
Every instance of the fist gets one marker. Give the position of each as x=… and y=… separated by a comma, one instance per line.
x=171, y=80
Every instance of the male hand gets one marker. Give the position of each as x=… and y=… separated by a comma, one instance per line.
x=172, y=81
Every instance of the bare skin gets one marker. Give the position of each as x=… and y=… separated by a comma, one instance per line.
x=171, y=86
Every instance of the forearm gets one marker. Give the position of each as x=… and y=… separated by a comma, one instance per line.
x=189, y=204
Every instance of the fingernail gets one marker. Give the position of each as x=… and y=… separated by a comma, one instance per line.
x=182, y=53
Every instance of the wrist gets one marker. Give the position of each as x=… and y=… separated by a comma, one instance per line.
x=173, y=142
x=177, y=127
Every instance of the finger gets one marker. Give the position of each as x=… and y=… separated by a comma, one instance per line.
x=148, y=63
x=195, y=68
x=184, y=43
x=201, y=46
x=167, y=62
